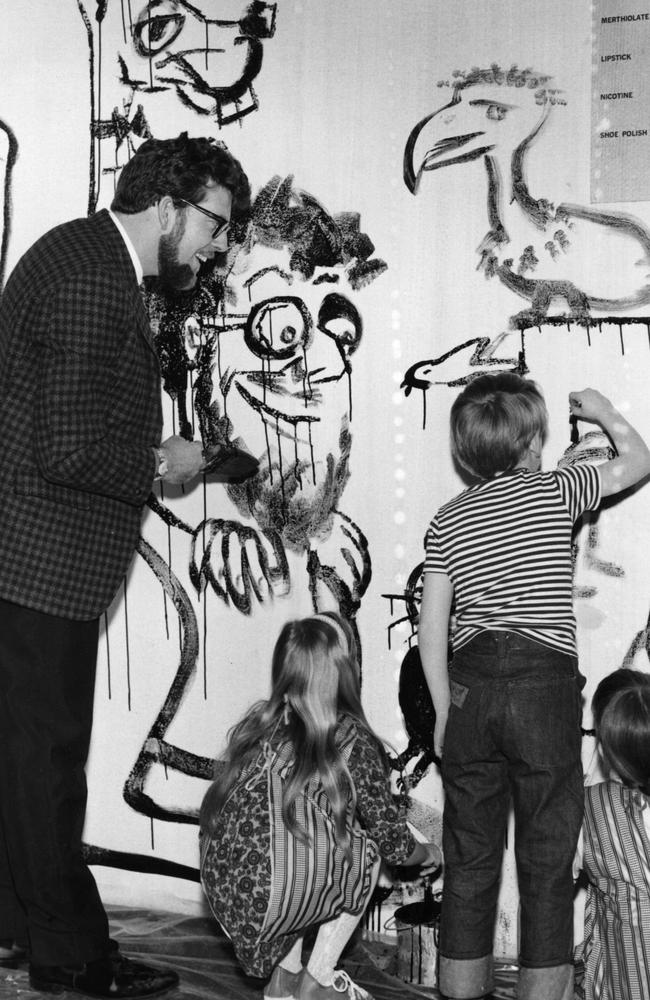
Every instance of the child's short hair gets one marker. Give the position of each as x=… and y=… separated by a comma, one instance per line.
x=623, y=732
x=619, y=679
x=494, y=420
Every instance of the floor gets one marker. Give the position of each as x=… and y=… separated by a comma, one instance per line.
x=204, y=960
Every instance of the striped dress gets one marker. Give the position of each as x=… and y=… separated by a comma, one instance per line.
x=617, y=914
x=264, y=886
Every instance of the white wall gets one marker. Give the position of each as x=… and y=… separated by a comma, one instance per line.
x=340, y=88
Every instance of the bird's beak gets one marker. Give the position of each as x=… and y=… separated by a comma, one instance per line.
x=436, y=151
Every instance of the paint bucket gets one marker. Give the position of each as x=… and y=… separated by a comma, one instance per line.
x=418, y=931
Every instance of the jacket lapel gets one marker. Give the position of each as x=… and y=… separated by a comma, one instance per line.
x=118, y=251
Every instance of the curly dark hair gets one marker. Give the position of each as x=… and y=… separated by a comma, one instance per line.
x=181, y=168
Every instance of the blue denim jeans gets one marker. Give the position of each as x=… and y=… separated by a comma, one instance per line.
x=513, y=734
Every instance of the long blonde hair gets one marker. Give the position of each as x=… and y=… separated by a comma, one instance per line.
x=315, y=680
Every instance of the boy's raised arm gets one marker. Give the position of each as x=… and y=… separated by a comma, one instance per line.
x=633, y=460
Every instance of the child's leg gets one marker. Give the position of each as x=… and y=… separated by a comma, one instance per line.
x=285, y=979
x=546, y=774
x=292, y=961
x=332, y=938
x=556, y=983
x=477, y=799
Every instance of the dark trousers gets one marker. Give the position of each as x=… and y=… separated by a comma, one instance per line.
x=48, y=897
x=513, y=734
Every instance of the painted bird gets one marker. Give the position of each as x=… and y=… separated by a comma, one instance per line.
x=568, y=255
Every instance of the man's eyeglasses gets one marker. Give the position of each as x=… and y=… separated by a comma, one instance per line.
x=220, y=225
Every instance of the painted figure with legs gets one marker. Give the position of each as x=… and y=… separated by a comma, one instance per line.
x=262, y=359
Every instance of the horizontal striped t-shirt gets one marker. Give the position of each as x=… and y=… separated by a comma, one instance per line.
x=505, y=544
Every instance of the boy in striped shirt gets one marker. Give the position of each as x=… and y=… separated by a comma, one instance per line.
x=508, y=709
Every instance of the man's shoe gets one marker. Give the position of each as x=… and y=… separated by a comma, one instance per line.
x=111, y=976
x=11, y=955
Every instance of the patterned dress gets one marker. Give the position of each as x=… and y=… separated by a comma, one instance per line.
x=617, y=915
x=266, y=887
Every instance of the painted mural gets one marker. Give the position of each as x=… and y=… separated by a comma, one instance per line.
x=413, y=224
x=264, y=344
x=8, y=154
x=146, y=58
x=540, y=251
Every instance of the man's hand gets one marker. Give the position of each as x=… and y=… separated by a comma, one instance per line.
x=184, y=459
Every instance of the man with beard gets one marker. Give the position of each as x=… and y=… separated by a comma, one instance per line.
x=81, y=421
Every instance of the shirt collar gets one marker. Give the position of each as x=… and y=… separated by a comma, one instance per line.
x=139, y=272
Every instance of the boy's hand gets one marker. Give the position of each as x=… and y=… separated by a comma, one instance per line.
x=632, y=461
x=589, y=404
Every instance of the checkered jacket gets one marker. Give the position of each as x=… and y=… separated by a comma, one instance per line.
x=79, y=415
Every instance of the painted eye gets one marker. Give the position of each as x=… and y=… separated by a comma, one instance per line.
x=339, y=319
x=153, y=34
x=279, y=328
x=496, y=112
x=289, y=335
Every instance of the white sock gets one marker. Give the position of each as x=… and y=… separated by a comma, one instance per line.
x=330, y=941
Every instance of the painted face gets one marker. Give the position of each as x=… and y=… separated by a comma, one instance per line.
x=191, y=243
x=207, y=52
x=286, y=387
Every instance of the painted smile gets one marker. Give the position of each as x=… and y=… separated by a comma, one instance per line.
x=273, y=416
